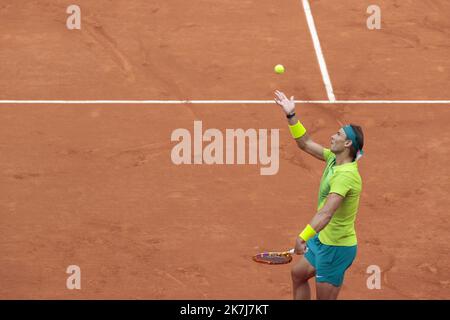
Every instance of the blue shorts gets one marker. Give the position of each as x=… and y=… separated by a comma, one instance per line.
x=330, y=262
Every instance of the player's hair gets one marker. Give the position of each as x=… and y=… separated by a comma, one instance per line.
x=359, y=138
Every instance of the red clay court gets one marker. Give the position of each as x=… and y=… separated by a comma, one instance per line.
x=92, y=184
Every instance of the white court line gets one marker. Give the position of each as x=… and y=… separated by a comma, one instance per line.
x=319, y=54
x=221, y=102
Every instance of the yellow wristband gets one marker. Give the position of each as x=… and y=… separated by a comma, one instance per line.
x=297, y=130
x=307, y=233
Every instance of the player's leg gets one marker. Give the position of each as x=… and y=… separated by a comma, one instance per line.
x=304, y=270
x=331, y=263
x=301, y=272
x=326, y=291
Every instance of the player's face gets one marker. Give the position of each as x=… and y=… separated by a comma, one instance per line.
x=338, y=141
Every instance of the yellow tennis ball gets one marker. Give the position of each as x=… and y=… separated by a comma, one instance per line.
x=279, y=69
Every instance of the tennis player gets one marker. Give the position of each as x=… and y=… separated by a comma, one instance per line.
x=328, y=243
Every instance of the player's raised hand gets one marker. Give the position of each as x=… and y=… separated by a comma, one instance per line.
x=288, y=105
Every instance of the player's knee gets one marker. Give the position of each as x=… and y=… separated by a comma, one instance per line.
x=299, y=275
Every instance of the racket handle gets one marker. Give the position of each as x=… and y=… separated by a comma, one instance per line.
x=293, y=250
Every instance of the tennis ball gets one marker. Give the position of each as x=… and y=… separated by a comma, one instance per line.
x=279, y=69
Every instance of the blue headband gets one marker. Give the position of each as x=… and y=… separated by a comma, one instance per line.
x=351, y=135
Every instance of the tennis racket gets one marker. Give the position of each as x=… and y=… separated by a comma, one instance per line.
x=274, y=257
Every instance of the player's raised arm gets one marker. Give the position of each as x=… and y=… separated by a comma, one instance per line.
x=299, y=133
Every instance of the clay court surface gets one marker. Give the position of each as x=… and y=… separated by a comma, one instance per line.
x=94, y=185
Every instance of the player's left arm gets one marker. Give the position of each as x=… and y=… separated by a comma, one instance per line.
x=321, y=218
x=324, y=215
x=340, y=185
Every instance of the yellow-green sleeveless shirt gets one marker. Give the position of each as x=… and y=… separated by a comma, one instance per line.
x=345, y=181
